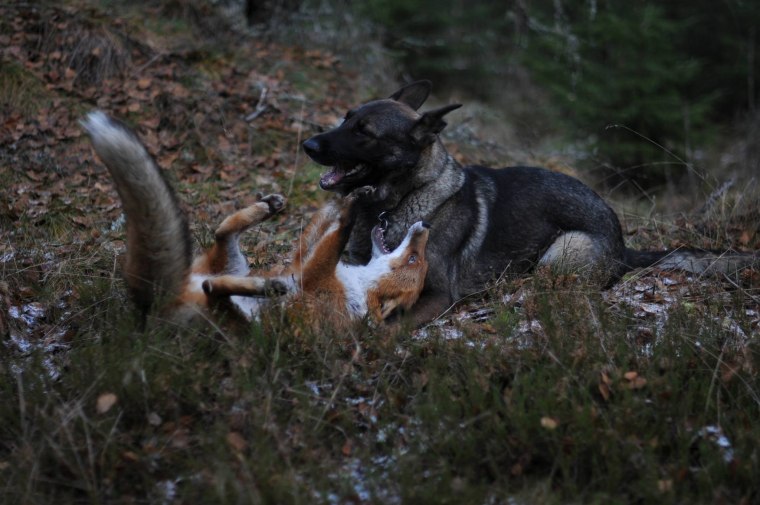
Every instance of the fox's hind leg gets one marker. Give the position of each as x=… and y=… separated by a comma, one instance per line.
x=225, y=256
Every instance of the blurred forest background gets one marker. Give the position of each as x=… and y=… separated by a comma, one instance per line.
x=539, y=390
x=642, y=91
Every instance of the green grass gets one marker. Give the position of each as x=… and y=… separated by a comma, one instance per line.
x=21, y=91
x=278, y=414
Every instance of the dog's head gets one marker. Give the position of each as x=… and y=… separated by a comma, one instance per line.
x=377, y=140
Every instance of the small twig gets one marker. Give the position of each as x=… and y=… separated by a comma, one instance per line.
x=688, y=165
x=746, y=292
x=261, y=106
x=304, y=121
x=150, y=62
x=298, y=151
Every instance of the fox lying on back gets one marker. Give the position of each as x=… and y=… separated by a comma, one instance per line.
x=160, y=271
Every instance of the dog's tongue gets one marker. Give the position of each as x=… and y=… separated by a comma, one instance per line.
x=331, y=178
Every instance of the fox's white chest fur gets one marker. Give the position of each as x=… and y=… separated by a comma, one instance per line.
x=357, y=281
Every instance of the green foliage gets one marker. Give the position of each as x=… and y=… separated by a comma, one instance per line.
x=620, y=66
x=633, y=80
x=453, y=42
x=20, y=91
x=282, y=414
x=567, y=408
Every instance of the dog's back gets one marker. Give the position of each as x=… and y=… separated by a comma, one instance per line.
x=533, y=212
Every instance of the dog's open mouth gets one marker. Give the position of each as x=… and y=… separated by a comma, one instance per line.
x=335, y=177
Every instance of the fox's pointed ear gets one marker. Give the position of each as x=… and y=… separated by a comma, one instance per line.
x=414, y=94
x=430, y=124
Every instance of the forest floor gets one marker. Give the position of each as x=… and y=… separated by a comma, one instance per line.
x=538, y=390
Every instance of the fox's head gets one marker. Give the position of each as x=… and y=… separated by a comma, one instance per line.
x=378, y=140
x=401, y=271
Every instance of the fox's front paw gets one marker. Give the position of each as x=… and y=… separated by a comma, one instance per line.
x=363, y=193
x=275, y=201
x=276, y=287
x=370, y=193
x=207, y=287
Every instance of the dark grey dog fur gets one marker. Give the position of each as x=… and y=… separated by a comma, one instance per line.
x=484, y=222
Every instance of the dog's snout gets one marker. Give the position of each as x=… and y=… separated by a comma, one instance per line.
x=312, y=146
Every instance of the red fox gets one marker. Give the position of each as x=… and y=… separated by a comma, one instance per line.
x=337, y=291
x=161, y=273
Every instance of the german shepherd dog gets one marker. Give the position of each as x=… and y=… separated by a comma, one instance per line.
x=485, y=222
x=161, y=273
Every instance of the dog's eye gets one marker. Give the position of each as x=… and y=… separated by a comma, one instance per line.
x=364, y=130
x=412, y=259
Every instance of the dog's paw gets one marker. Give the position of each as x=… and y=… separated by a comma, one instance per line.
x=275, y=201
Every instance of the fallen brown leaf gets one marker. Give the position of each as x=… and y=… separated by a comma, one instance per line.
x=105, y=402
x=346, y=449
x=236, y=441
x=549, y=423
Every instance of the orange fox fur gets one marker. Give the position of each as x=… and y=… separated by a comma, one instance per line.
x=335, y=291
x=161, y=273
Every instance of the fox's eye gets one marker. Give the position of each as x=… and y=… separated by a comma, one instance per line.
x=412, y=259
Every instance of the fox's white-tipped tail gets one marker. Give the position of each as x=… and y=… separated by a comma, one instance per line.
x=158, y=245
x=96, y=122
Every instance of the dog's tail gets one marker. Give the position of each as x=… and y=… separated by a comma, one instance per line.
x=692, y=260
x=159, y=251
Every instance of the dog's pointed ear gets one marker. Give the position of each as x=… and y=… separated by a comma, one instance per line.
x=414, y=94
x=431, y=123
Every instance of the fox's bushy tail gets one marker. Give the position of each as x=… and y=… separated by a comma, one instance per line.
x=159, y=251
